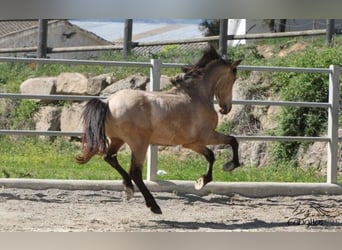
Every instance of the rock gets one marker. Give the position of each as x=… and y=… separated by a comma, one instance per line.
x=72, y=84
x=98, y=83
x=137, y=81
x=48, y=119
x=71, y=118
x=266, y=51
x=315, y=155
x=294, y=48
x=165, y=83
x=253, y=153
x=40, y=85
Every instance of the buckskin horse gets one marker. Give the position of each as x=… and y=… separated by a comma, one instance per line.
x=184, y=115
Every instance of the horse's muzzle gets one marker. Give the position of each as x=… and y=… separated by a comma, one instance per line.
x=225, y=109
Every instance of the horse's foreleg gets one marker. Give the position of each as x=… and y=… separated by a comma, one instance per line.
x=210, y=157
x=234, y=163
x=221, y=139
x=135, y=173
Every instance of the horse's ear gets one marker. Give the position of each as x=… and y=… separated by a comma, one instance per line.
x=185, y=69
x=236, y=63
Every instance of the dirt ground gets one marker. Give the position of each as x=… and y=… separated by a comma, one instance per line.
x=64, y=210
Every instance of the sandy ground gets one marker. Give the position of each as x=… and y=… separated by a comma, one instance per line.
x=64, y=210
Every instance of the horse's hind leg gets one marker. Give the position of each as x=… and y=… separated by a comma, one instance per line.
x=111, y=159
x=210, y=157
x=136, y=174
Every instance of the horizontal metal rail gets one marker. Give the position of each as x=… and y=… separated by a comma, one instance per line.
x=75, y=62
x=43, y=133
x=238, y=137
x=285, y=69
x=237, y=102
x=50, y=97
x=282, y=103
x=163, y=65
x=264, y=68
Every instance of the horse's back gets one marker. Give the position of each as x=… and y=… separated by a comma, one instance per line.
x=128, y=104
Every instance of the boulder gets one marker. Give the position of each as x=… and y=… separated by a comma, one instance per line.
x=47, y=119
x=40, y=85
x=315, y=155
x=165, y=83
x=71, y=117
x=253, y=153
x=137, y=81
x=98, y=83
x=72, y=84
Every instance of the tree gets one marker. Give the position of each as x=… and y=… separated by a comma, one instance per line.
x=210, y=27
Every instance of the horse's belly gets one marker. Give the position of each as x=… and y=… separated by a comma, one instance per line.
x=172, y=136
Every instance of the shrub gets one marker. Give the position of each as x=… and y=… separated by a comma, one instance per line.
x=302, y=121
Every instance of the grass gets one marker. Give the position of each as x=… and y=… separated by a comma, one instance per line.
x=31, y=158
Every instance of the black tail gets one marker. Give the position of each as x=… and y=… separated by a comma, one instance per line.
x=94, y=137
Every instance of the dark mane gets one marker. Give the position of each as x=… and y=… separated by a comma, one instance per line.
x=209, y=55
x=214, y=64
x=192, y=74
x=185, y=82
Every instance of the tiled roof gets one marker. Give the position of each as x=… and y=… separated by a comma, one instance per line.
x=9, y=27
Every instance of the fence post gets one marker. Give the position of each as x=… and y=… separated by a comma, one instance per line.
x=152, y=151
x=334, y=95
x=330, y=31
x=223, y=37
x=127, y=44
x=42, y=38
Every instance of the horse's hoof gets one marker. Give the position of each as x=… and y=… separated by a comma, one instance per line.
x=199, y=183
x=129, y=193
x=156, y=210
x=229, y=166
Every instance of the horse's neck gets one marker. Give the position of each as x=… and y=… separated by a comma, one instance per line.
x=201, y=89
x=206, y=89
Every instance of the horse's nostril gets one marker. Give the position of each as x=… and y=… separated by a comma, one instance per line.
x=225, y=109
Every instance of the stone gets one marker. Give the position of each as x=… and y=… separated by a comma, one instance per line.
x=72, y=84
x=71, y=117
x=98, y=83
x=165, y=83
x=40, y=85
x=137, y=81
x=47, y=119
x=253, y=153
x=315, y=155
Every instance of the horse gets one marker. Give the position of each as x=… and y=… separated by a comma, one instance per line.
x=183, y=115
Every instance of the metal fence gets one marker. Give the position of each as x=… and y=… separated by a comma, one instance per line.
x=333, y=106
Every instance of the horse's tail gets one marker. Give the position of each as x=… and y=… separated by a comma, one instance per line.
x=94, y=133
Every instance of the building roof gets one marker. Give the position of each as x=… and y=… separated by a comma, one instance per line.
x=11, y=27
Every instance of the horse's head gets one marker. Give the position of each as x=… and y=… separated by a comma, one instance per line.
x=225, y=76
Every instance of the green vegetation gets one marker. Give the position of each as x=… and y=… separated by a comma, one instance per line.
x=34, y=158
x=296, y=121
